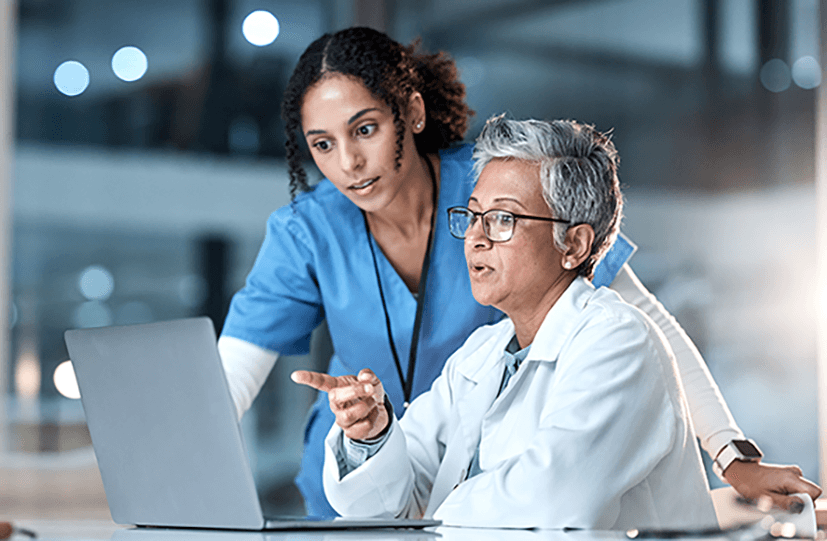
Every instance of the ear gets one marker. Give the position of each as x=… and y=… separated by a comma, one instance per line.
x=416, y=112
x=579, y=240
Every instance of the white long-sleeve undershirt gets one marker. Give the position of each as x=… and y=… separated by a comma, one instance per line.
x=710, y=415
x=246, y=367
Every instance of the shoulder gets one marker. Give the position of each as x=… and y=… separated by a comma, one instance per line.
x=456, y=173
x=608, y=304
x=609, y=321
x=456, y=163
x=457, y=159
x=461, y=154
x=315, y=215
x=317, y=203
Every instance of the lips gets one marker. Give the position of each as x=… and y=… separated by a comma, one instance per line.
x=477, y=269
x=364, y=184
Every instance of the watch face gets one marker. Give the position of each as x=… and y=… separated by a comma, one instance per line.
x=746, y=448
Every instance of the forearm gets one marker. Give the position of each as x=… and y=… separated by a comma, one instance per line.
x=246, y=367
x=711, y=417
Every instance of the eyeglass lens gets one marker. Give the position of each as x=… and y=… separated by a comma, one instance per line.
x=498, y=225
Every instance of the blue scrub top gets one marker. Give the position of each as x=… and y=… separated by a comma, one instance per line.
x=315, y=263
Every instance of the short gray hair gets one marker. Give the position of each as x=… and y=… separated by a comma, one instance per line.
x=578, y=172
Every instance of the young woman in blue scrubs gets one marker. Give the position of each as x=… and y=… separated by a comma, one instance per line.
x=368, y=249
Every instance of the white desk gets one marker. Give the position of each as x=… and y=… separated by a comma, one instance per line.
x=97, y=529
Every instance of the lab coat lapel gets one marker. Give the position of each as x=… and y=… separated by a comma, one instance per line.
x=470, y=410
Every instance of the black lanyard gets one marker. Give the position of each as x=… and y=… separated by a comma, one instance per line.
x=407, y=383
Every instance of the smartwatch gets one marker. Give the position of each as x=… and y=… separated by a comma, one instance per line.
x=743, y=450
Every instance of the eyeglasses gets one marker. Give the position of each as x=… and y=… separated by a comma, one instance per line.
x=498, y=225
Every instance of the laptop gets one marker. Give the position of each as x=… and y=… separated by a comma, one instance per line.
x=164, y=428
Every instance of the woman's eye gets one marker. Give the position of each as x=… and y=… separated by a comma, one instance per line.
x=366, y=129
x=322, y=145
x=505, y=219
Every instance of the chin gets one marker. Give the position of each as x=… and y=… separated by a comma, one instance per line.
x=482, y=295
x=370, y=204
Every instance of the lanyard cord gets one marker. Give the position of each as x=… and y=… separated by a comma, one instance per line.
x=407, y=383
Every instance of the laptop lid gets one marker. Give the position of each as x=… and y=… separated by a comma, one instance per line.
x=163, y=425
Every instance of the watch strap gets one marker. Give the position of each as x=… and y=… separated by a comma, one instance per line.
x=731, y=452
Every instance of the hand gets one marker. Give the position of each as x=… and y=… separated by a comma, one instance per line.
x=754, y=481
x=358, y=402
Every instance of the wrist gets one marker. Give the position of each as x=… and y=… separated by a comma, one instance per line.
x=740, y=475
x=741, y=451
x=388, y=407
x=388, y=412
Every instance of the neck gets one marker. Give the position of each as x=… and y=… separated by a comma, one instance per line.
x=529, y=316
x=412, y=208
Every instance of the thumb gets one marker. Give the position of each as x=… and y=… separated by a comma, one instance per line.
x=366, y=375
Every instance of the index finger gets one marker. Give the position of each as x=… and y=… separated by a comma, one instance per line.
x=802, y=484
x=317, y=380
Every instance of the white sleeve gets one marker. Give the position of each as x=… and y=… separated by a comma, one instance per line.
x=246, y=367
x=711, y=417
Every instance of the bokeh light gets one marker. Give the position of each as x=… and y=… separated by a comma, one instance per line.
x=92, y=314
x=129, y=63
x=71, y=78
x=807, y=72
x=27, y=375
x=775, y=75
x=65, y=381
x=96, y=283
x=260, y=28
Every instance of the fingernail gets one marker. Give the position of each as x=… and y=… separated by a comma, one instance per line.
x=368, y=388
x=293, y=376
x=796, y=507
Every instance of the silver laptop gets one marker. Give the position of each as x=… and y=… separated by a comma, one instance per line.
x=164, y=428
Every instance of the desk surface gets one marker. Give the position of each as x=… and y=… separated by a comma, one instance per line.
x=98, y=529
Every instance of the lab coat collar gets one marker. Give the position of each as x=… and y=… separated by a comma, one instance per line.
x=553, y=333
x=474, y=367
x=560, y=320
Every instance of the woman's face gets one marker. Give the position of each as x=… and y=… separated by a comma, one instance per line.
x=352, y=138
x=512, y=275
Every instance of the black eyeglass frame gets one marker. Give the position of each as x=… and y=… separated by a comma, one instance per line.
x=476, y=215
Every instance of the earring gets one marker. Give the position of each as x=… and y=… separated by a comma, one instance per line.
x=567, y=265
x=419, y=125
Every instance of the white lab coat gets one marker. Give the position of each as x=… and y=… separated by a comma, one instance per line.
x=591, y=432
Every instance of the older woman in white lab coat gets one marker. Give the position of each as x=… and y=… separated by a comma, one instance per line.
x=569, y=412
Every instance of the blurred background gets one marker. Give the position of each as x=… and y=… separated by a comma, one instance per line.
x=147, y=153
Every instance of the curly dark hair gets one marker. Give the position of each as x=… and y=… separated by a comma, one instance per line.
x=392, y=72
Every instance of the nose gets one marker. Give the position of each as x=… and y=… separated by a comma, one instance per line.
x=475, y=234
x=351, y=158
